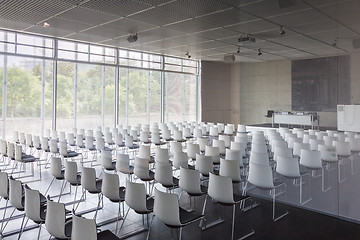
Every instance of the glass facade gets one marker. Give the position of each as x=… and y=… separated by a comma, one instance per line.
x=85, y=77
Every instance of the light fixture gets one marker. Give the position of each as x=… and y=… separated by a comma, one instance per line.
x=46, y=24
x=334, y=43
x=281, y=30
x=188, y=55
x=132, y=38
x=238, y=50
x=259, y=52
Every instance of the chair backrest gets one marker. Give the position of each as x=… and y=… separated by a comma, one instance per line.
x=129, y=141
x=4, y=185
x=166, y=208
x=55, y=167
x=239, y=146
x=71, y=172
x=45, y=144
x=234, y=155
x=118, y=139
x=53, y=146
x=70, y=139
x=162, y=155
x=242, y=139
x=310, y=159
x=180, y=159
x=29, y=142
x=135, y=196
x=106, y=159
x=62, y=137
x=98, y=134
x=278, y=143
x=110, y=186
x=307, y=137
x=288, y=166
x=80, y=140
x=328, y=153
x=241, y=128
x=63, y=148
x=11, y=150
x=190, y=181
x=280, y=151
x=204, y=164
x=260, y=176
x=89, y=142
x=22, y=138
x=231, y=169
x=32, y=204
x=354, y=143
x=3, y=147
x=340, y=136
x=226, y=140
x=342, y=148
x=192, y=149
x=221, y=189
x=163, y=173
x=292, y=140
x=175, y=147
x=186, y=132
x=328, y=140
x=16, y=194
x=82, y=131
x=88, y=179
x=36, y=142
x=108, y=137
x=259, y=158
x=144, y=136
x=198, y=133
x=18, y=152
x=122, y=162
x=141, y=168
x=202, y=143
x=100, y=144
x=83, y=228
x=214, y=131
x=321, y=135
x=155, y=138
x=314, y=143
x=259, y=148
x=15, y=136
x=298, y=146
x=55, y=219
x=220, y=144
x=213, y=152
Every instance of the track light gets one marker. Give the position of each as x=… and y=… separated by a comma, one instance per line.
x=259, y=52
x=132, y=38
x=188, y=55
x=281, y=30
x=46, y=24
x=238, y=50
x=334, y=43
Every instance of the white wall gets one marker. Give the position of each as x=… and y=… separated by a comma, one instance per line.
x=243, y=92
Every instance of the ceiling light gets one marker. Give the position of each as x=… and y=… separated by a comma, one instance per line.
x=238, y=50
x=259, y=52
x=188, y=55
x=281, y=30
x=46, y=24
x=334, y=43
x=132, y=38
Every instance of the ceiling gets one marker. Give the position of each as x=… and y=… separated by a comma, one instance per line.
x=207, y=29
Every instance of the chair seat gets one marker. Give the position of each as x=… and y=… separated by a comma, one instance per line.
x=78, y=180
x=203, y=191
x=112, y=168
x=27, y=158
x=62, y=175
x=106, y=235
x=121, y=195
x=71, y=154
x=187, y=217
x=159, y=143
x=151, y=176
x=107, y=149
x=127, y=171
x=121, y=145
x=98, y=186
x=134, y=146
x=174, y=185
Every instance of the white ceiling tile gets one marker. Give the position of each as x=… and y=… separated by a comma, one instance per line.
x=227, y=17
x=253, y=27
x=218, y=33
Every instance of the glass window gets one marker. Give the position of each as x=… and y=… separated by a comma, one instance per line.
x=23, y=96
x=65, y=96
x=173, y=97
x=190, y=97
x=109, y=111
x=123, y=74
x=138, y=85
x=48, y=98
x=89, y=96
x=155, y=97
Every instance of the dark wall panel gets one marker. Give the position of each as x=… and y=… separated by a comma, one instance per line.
x=320, y=84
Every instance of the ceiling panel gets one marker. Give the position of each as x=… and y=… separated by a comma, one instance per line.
x=218, y=33
x=300, y=42
x=57, y=32
x=81, y=14
x=162, y=44
x=13, y=24
x=159, y=16
x=317, y=26
x=44, y=7
x=18, y=15
x=64, y=24
x=189, y=39
x=87, y=37
x=292, y=19
x=196, y=8
x=253, y=26
x=209, y=44
x=116, y=7
x=227, y=17
x=104, y=32
x=128, y=26
x=191, y=26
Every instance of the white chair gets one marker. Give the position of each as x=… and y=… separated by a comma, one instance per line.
x=328, y=140
x=298, y=146
x=123, y=164
x=111, y=189
x=145, y=152
x=280, y=151
x=314, y=144
x=226, y=140
x=214, y=153
x=180, y=159
x=56, y=222
x=234, y=155
x=343, y=149
x=259, y=158
x=202, y=143
x=141, y=170
x=175, y=147
x=261, y=177
x=241, y=128
x=221, y=190
x=167, y=210
x=163, y=175
x=231, y=169
x=219, y=144
x=162, y=155
x=310, y=159
x=83, y=229
x=204, y=164
x=192, y=149
x=354, y=144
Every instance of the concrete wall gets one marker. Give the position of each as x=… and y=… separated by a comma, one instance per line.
x=243, y=92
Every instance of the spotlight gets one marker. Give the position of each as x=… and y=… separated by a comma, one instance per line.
x=188, y=55
x=334, y=43
x=238, y=50
x=281, y=30
x=259, y=52
x=46, y=24
x=132, y=38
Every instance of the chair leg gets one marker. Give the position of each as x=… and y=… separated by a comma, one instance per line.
x=2, y=223
x=117, y=219
x=49, y=186
x=180, y=234
x=233, y=222
x=39, y=231
x=152, y=220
